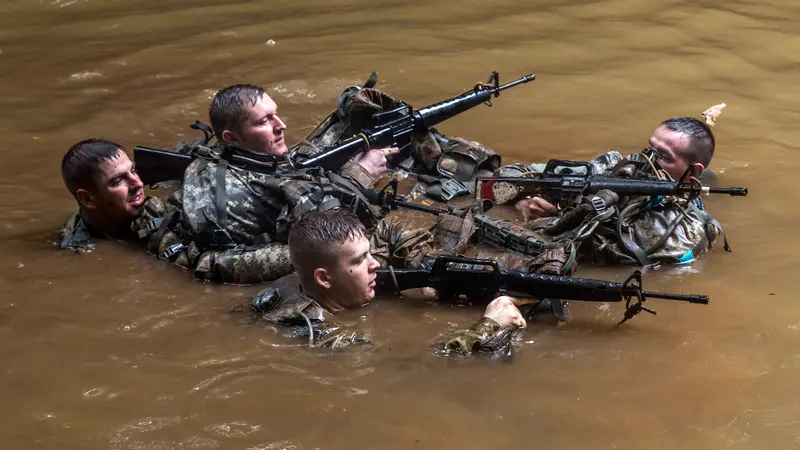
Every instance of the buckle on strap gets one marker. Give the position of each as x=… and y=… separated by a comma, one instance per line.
x=149, y=227
x=172, y=251
x=599, y=204
x=447, y=189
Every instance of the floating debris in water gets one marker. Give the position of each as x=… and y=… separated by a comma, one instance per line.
x=270, y=42
x=712, y=114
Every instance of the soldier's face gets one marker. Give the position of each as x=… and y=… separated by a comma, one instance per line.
x=262, y=131
x=674, y=152
x=118, y=193
x=353, y=278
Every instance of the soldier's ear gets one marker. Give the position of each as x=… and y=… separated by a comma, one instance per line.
x=85, y=199
x=697, y=169
x=322, y=278
x=230, y=137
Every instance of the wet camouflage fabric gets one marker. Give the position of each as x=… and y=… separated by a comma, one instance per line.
x=285, y=303
x=602, y=165
x=258, y=208
x=671, y=230
x=484, y=336
x=78, y=234
x=392, y=244
x=245, y=266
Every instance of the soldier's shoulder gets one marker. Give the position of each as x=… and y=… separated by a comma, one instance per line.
x=284, y=299
x=77, y=234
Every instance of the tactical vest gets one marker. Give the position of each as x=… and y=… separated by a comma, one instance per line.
x=224, y=205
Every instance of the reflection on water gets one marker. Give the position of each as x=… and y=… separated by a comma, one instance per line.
x=114, y=349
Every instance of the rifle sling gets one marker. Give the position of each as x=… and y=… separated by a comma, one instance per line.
x=713, y=222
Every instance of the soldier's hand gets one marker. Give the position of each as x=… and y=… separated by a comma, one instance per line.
x=503, y=311
x=374, y=161
x=535, y=207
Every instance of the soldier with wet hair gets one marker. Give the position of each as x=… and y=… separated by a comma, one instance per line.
x=681, y=143
x=110, y=196
x=336, y=271
x=246, y=116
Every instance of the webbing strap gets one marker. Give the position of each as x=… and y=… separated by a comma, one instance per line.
x=713, y=222
x=372, y=81
x=222, y=195
x=629, y=243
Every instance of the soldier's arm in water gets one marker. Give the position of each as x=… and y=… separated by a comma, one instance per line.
x=492, y=333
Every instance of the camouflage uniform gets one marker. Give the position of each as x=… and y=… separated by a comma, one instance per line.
x=240, y=229
x=642, y=230
x=79, y=234
x=285, y=303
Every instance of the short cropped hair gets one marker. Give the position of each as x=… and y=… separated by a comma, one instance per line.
x=228, y=109
x=80, y=163
x=701, y=138
x=316, y=239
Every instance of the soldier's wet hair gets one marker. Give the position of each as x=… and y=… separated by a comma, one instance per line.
x=315, y=240
x=700, y=136
x=228, y=109
x=79, y=167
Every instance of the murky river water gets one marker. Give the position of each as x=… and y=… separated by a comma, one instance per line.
x=116, y=350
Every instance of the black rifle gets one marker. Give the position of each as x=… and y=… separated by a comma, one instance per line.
x=558, y=188
x=395, y=128
x=481, y=280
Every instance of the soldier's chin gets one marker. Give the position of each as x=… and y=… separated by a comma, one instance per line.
x=279, y=149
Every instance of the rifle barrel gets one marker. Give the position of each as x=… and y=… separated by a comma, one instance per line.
x=691, y=298
x=733, y=191
x=524, y=79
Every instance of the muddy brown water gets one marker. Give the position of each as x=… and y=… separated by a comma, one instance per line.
x=116, y=350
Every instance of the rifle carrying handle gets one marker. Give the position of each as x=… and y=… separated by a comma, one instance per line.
x=440, y=264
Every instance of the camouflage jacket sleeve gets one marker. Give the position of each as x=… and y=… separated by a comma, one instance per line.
x=350, y=170
x=484, y=336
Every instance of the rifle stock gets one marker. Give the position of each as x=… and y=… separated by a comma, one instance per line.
x=156, y=166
